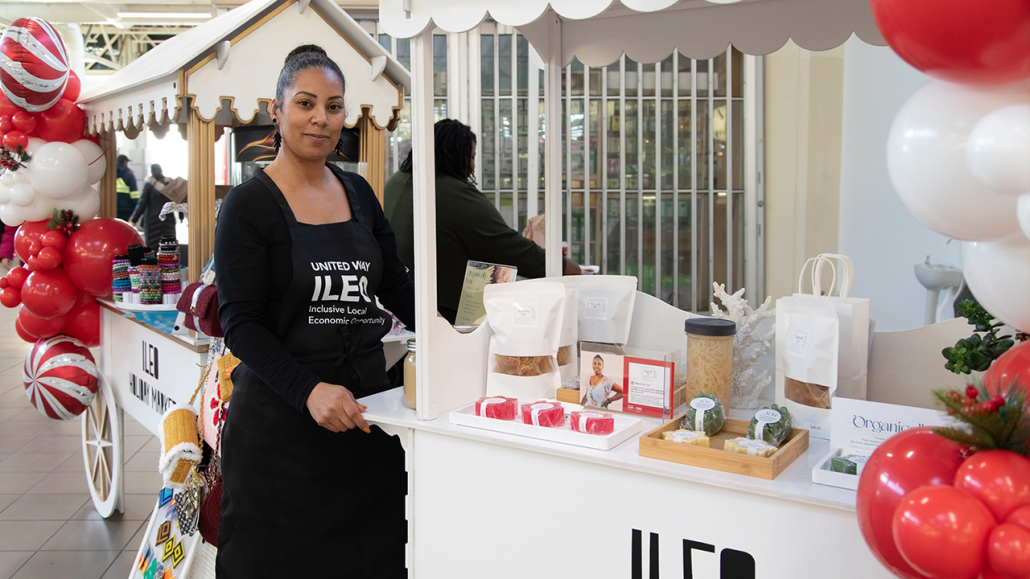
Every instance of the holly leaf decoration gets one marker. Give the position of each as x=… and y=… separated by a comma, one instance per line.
x=13, y=160
x=990, y=422
x=64, y=221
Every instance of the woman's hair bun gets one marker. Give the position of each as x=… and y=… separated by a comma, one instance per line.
x=305, y=49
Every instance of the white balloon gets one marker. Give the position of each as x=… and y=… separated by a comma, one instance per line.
x=1023, y=213
x=23, y=195
x=41, y=208
x=95, y=160
x=34, y=144
x=998, y=274
x=9, y=217
x=5, y=193
x=998, y=150
x=19, y=177
x=926, y=158
x=85, y=204
x=57, y=171
x=6, y=178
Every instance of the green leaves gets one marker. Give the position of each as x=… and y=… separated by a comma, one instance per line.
x=1004, y=426
x=976, y=353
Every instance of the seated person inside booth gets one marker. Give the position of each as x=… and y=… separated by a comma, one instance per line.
x=468, y=226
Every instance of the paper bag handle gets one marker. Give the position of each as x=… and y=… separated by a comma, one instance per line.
x=817, y=268
x=847, y=268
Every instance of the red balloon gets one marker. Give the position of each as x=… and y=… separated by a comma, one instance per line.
x=73, y=88
x=989, y=573
x=6, y=124
x=903, y=463
x=999, y=478
x=54, y=239
x=84, y=322
x=10, y=297
x=16, y=277
x=63, y=122
x=22, y=333
x=942, y=532
x=49, y=293
x=15, y=140
x=957, y=40
x=48, y=258
x=1021, y=517
x=1012, y=367
x=1008, y=550
x=39, y=328
x=4, y=284
x=88, y=254
x=7, y=108
x=24, y=121
x=27, y=233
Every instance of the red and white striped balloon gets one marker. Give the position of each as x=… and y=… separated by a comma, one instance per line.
x=60, y=377
x=33, y=64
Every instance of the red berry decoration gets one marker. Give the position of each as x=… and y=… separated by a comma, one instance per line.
x=972, y=392
x=942, y=532
x=24, y=121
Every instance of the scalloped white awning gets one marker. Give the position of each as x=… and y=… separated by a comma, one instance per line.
x=598, y=32
x=253, y=41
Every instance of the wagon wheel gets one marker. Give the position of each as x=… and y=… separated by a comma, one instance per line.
x=102, y=451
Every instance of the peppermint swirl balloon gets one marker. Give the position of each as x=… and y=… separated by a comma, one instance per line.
x=61, y=377
x=33, y=64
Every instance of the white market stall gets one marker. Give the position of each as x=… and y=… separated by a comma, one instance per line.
x=219, y=75
x=488, y=504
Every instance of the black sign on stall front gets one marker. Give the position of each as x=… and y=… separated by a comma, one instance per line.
x=733, y=564
x=144, y=390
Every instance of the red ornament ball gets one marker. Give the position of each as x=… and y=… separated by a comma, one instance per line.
x=38, y=75
x=61, y=377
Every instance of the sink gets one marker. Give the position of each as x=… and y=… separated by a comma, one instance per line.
x=936, y=278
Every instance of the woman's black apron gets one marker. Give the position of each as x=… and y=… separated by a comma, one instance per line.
x=299, y=500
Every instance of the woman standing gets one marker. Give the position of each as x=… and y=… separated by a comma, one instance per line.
x=151, y=202
x=302, y=250
x=598, y=392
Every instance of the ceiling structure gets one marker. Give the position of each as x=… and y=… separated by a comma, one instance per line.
x=115, y=33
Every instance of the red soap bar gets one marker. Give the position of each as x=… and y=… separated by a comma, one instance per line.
x=549, y=414
x=499, y=407
x=592, y=422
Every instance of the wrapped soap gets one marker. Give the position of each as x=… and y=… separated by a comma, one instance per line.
x=688, y=437
x=848, y=463
x=591, y=422
x=749, y=447
x=705, y=414
x=499, y=407
x=543, y=413
x=771, y=424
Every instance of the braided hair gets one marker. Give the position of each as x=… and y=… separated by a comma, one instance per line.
x=298, y=60
x=454, y=144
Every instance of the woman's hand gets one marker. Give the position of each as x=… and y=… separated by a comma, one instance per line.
x=333, y=407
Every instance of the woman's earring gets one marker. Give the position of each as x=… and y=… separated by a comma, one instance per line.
x=339, y=148
x=277, y=138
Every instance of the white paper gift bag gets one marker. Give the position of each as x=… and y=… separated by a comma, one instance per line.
x=821, y=346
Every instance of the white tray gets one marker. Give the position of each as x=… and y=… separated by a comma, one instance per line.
x=625, y=428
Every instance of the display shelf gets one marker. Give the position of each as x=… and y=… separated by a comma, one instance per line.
x=626, y=426
x=793, y=484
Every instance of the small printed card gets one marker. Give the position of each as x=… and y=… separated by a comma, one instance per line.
x=478, y=275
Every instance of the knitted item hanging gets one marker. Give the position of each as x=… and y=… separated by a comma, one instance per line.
x=180, y=445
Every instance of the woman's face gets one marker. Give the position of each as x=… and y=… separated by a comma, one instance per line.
x=598, y=366
x=311, y=115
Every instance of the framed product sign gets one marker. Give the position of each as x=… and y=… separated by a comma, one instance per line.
x=634, y=380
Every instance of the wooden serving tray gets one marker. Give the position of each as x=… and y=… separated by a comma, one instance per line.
x=653, y=446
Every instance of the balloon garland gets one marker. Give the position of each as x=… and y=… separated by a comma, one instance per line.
x=48, y=171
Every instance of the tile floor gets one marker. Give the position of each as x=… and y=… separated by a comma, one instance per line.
x=48, y=526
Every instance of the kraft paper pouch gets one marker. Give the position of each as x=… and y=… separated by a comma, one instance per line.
x=526, y=319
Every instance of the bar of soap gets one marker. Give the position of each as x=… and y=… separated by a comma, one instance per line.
x=543, y=413
x=843, y=464
x=499, y=407
x=749, y=447
x=590, y=422
x=688, y=437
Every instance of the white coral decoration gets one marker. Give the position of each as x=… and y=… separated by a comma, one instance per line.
x=747, y=383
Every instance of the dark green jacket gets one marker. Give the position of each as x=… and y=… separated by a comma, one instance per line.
x=468, y=227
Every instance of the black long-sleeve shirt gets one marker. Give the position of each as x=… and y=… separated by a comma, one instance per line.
x=254, y=269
